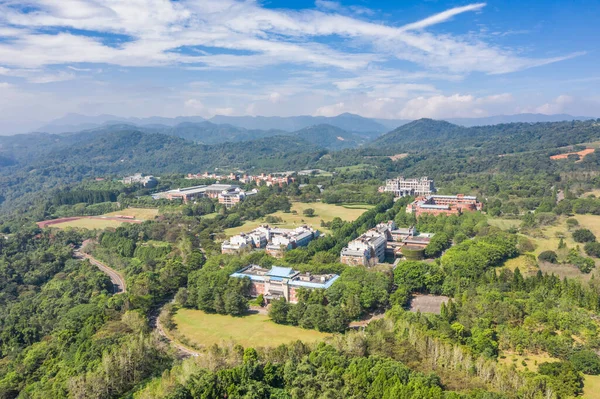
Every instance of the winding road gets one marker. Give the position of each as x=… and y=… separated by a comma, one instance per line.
x=119, y=286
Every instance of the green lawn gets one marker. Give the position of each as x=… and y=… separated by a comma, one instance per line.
x=504, y=224
x=253, y=330
x=90, y=224
x=532, y=361
x=325, y=212
x=355, y=168
x=138, y=213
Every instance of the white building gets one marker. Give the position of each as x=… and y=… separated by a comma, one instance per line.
x=402, y=187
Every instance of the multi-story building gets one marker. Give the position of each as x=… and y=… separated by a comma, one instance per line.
x=275, y=241
x=444, y=204
x=384, y=240
x=140, y=178
x=282, y=282
x=232, y=198
x=402, y=187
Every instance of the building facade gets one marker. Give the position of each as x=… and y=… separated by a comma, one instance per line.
x=444, y=204
x=282, y=282
x=275, y=241
x=139, y=178
x=402, y=187
x=187, y=194
x=385, y=240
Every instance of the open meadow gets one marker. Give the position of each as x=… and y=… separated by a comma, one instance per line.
x=325, y=212
x=255, y=330
x=89, y=223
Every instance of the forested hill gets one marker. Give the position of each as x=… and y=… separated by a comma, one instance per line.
x=425, y=134
x=125, y=151
x=330, y=137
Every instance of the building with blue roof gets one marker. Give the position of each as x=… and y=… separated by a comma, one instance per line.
x=282, y=282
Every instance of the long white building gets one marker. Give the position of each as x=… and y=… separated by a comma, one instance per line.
x=402, y=187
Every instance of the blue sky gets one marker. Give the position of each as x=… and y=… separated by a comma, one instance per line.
x=386, y=59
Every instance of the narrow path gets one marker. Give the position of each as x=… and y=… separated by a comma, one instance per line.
x=184, y=350
x=117, y=279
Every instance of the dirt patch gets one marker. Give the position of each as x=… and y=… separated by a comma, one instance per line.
x=427, y=303
x=581, y=154
x=398, y=156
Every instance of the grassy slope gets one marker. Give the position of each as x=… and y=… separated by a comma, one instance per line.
x=325, y=212
x=90, y=224
x=253, y=330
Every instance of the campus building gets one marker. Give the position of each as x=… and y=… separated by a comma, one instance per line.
x=385, y=240
x=232, y=198
x=402, y=187
x=282, y=282
x=275, y=241
x=192, y=193
x=444, y=204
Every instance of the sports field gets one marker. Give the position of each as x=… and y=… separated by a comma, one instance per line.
x=325, y=212
x=137, y=213
x=255, y=330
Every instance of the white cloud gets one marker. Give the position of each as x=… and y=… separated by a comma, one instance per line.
x=155, y=28
x=557, y=106
x=331, y=110
x=454, y=106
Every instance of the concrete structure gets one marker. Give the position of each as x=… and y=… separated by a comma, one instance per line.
x=282, y=282
x=444, y=204
x=232, y=198
x=275, y=241
x=385, y=240
x=140, y=178
x=192, y=193
x=402, y=187
x=280, y=179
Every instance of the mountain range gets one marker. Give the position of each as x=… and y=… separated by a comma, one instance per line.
x=348, y=122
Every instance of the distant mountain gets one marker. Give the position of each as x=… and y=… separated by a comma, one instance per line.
x=330, y=137
x=529, y=118
x=419, y=132
x=211, y=133
x=77, y=122
x=348, y=122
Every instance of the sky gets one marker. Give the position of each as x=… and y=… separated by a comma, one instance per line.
x=386, y=59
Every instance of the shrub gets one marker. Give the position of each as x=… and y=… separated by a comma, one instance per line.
x=548, y=256
x=571, y=223
x=310, y=212
x=583, y=235
x=592, y=249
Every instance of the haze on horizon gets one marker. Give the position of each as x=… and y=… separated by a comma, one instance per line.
x=282, y=58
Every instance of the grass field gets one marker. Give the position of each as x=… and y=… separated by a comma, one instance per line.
x=504, y=224
x=325, y=212
x=527, y=264
x=253, y=330
x=591, y=386
x=532, y=361
x=90, y=224
x=138, y=213
x=355, y=168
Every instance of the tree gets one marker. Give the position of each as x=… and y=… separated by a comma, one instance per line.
x=586, y=361
x=278, y=312
x=548, y=256
x=572, y=223
x=583, y=235
x=309, y=212
x=235, y=303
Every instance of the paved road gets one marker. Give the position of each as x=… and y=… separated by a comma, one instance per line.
x=117, y=279
x=183, y=350
x=119, y=286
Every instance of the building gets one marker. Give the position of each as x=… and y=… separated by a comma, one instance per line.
x=385, y=240
x=444, y=204
x=192, y=193
x=275, y=241
x=282, y=282
x=232, y=198
x=139, y=178
x=402, y=187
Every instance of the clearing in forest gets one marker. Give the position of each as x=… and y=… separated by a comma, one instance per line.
x=89, y=223
x=255, y=330
x=581, y=154
x=325, y=212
